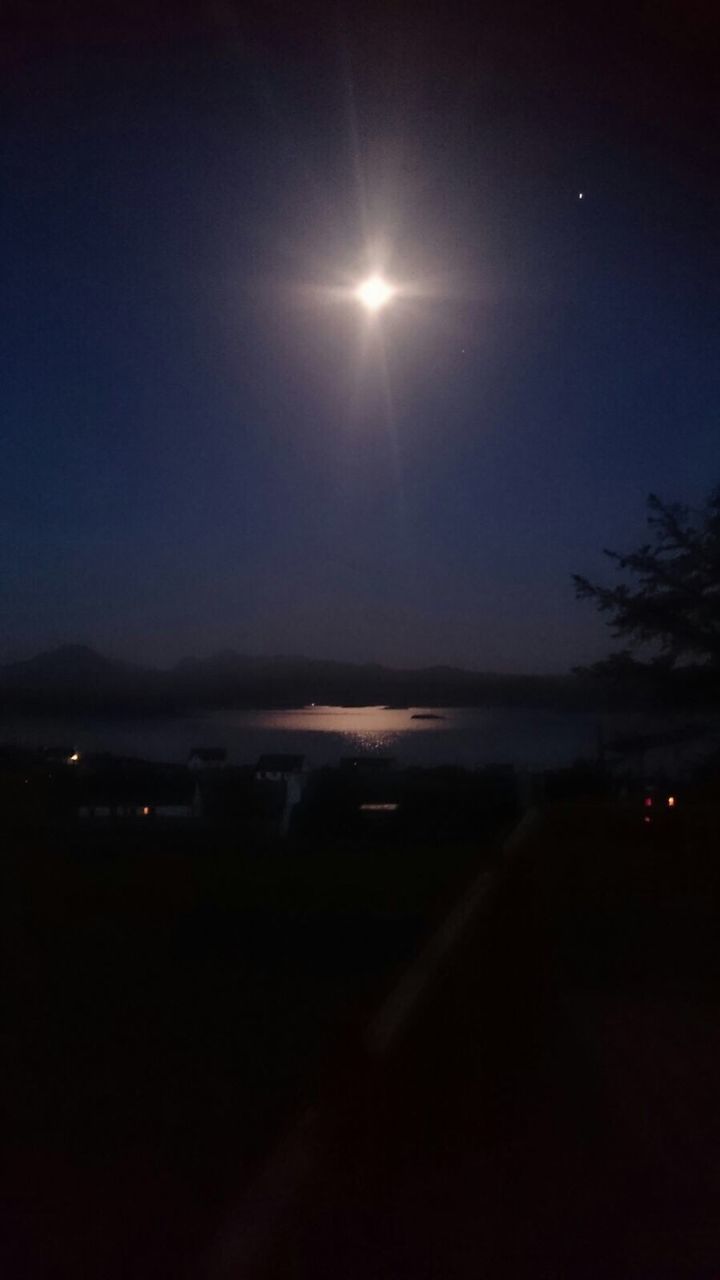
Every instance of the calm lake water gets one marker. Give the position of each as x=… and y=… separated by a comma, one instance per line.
x=464, y=736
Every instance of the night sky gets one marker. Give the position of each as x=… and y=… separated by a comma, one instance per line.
x=207, y=445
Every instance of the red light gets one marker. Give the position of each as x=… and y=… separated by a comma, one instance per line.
x=648, y=802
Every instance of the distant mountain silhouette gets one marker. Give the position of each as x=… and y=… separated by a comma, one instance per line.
x=77, y=678
x=66, y=664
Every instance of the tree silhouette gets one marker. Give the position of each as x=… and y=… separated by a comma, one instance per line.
x=672, y=609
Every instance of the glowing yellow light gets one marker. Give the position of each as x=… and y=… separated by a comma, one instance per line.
x=73, y=759
x=374, y=293
x=146, y=811
x=671, y=802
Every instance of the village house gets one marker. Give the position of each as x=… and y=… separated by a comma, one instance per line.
x=282, y=773
x=139, y=794
x=207, y=758
x=278, y=768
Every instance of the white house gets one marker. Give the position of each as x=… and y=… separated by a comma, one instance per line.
x=279, y=768
x=207, y=758
x=142, y=794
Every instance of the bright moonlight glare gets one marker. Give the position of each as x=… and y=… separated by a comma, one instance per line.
x=374, y=293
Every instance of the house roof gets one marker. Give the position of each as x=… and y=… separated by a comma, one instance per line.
x=280, y=764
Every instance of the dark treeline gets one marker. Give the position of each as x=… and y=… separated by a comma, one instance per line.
x=75, y=679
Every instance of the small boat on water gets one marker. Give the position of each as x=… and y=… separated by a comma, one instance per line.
x=426, y=715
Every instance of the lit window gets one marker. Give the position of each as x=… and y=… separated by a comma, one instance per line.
x=671, y=802
x=146, y=811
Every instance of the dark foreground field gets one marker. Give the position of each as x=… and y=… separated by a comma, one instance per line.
x=549, y=1108
x=167, y=1006
x=552, y=1109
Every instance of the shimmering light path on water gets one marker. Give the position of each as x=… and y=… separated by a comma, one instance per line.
x=463, y=736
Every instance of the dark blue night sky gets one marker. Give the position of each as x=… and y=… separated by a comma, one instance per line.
x=203, y=448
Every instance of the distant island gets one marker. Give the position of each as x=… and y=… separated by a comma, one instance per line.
x=77, y=680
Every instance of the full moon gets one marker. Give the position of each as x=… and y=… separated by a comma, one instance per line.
x=374, y=293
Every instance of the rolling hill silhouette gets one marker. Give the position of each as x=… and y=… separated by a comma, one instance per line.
x=76, y=678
